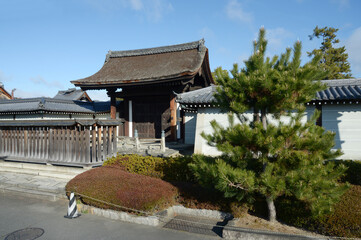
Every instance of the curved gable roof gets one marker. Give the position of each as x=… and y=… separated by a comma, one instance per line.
x=151, y=65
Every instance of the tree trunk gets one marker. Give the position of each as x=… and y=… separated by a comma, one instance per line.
x=264, y=119
x=271, y=209
x=255, y=115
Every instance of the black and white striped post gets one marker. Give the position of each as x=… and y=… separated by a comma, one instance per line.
x=72, y=209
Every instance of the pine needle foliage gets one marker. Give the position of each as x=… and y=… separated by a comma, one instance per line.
x=334, y=60
x=278, y=152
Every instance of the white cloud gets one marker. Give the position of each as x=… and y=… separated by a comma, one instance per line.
x=277, y=36
x=19, y=93
x=152, y=10
x=235, y=11
x=41, y=81
x=136, y=5
x=342, y=4
x=156, y=9
x=4, y=78
x=206, y=33
x=353, y=47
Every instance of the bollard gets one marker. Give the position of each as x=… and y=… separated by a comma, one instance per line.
x=72, y=208
x=162, y=142
x=137, y=143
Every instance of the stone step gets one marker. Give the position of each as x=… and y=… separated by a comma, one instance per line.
x=44, y=173
x=33, y=193
x=41, y=167
x=41, y=170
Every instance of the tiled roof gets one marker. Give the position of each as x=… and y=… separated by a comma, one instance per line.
x=71, y=94
x=200, y=96
x=52, y=105
x=339, y=89
x=148, y=66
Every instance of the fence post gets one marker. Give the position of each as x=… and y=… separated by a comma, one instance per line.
x=87, y=144
x=115, y=145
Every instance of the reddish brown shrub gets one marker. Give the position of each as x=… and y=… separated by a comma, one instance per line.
x=345, y=221
x=118, y=187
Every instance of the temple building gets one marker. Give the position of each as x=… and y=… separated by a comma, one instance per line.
x=147, y=81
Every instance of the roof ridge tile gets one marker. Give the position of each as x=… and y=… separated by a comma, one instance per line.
x=157, y=50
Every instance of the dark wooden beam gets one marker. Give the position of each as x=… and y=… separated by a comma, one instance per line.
x=173, y=118
x=113, y=102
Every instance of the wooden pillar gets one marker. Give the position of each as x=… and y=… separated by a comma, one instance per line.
x=126, y=117
x=113, y=103
x=173, y=118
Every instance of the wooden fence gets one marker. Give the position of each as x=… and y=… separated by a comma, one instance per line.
x=68, y=143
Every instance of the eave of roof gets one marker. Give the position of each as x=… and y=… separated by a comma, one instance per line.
x=5, y=93
x=338, y=90
x=148, y=66
x=51, y=105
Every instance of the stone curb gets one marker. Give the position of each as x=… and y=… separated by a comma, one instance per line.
x=155, y=220
x=158, y=221
x=251, y=234
x=116, y=215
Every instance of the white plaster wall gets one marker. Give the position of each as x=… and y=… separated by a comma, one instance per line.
x=345, y=121
x=206, y=115
x=7, y=117
x=190, y=127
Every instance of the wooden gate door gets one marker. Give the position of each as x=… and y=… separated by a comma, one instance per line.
x=151, y=115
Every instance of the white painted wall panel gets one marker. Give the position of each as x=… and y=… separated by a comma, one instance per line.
x=345, y=121
x=206, y=115
x=190, y=127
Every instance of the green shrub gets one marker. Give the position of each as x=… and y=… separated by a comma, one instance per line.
x=344, y=221
x=147, y=166
x=173, y=169
x=353, y=172
x=118, y=187
x=176, y=169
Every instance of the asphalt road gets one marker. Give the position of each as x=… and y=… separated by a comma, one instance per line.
x=17, y=212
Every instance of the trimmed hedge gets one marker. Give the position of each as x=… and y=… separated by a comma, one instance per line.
x=118, y=187
x=176, y=171
x=172, y=169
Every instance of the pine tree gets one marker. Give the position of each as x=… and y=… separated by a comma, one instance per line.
x=276, y=153
x=334, y=60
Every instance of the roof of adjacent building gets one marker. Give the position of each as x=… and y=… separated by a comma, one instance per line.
x=150, y=65
x=73, y=94
x=338, y=90
x=30, y=105
x=341, y=89
x=3, y=93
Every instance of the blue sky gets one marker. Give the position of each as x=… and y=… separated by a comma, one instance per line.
x=44, y=44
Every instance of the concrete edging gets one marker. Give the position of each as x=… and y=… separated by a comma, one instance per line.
x=155, y=220
x=228, y=233
x=252, y=234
